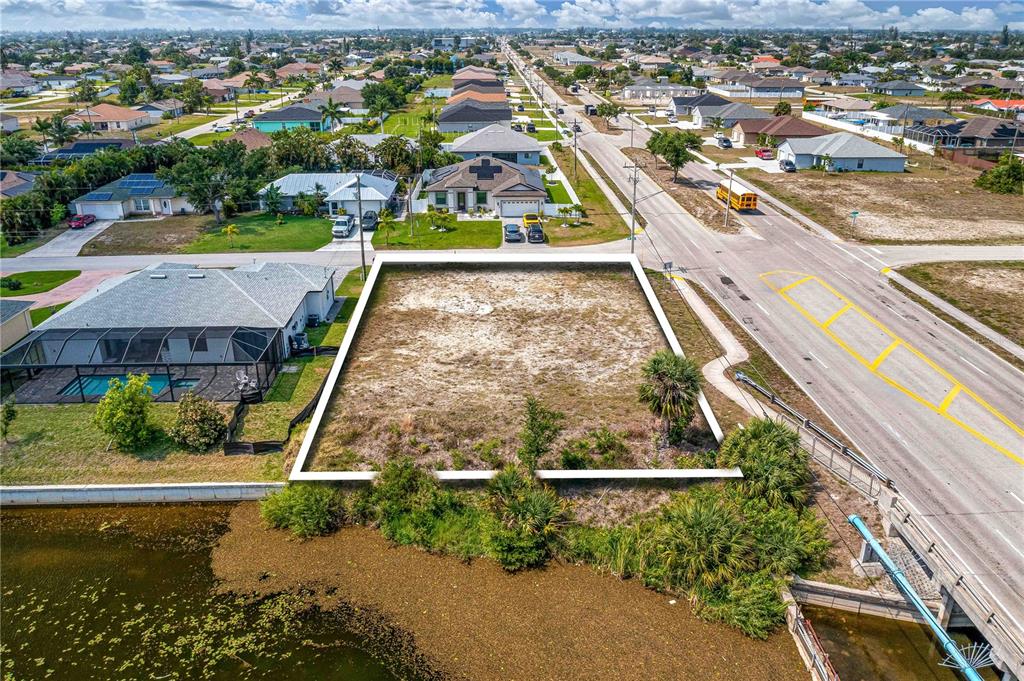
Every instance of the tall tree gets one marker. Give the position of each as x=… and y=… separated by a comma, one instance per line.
x=670, y=387
x=208, y=175
x=331, y=112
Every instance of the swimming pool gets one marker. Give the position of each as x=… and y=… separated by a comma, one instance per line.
x=93, y=386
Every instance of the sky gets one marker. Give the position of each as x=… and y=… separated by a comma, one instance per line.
x=76, y=15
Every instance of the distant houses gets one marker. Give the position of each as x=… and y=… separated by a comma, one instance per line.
x=477, y=101
x=841, y=151
x=341, y=192
x=110, y=117
x=898, y=88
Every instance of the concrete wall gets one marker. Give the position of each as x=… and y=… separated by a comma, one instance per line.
x=51, y=495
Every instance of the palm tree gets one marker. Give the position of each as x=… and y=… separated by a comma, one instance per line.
x=272, y=198
x=578, y=211
x=564, y=212
x=87, y=129
x=716, y=122
x=42, y=127
x=826, y=162
x=230, y=231
x=387, y=224
x=331, y=112
x=60, y=131
x=705, y=543
x=670, y=387
x=254, y=81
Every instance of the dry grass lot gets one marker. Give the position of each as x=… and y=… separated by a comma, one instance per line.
x=690, y=196
x=130, y=237
x=448, y=355
x=934, y=202
x=988, y=291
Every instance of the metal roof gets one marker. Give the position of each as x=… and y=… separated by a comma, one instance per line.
x=375, y=186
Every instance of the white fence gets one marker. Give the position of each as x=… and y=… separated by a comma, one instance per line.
x=866, y=130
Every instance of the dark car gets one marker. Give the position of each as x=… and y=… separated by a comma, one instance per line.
x=560, y=110
x=520, y=108
x=513, y=234
x=249, y=114
x=724, y=143
x=80, y=221
x=576, y=127
x=530, y=127
x=369, y=221
x=535, y=235
x=518, y=127
x=787, y=165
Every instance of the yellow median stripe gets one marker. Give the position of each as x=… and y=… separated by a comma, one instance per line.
x=948, y=399
x=885, y=353
x=873, y=365
x=839, y=313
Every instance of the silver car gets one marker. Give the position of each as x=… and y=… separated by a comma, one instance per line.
x=342, y=227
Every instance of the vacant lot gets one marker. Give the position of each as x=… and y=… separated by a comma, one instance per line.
x=934, y=202
x=447, y=356
x=988, y=291
x=602, y=222
x=257, y=232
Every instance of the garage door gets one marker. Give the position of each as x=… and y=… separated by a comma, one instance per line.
x=103, y=211
x=511, y=209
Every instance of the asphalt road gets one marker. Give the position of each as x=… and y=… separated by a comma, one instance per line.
x=940, y=414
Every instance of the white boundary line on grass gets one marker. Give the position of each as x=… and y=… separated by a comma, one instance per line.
x=488, y=258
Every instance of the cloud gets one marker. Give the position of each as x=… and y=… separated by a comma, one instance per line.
x=357, y=14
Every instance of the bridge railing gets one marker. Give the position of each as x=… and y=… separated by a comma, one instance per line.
x=817, y=658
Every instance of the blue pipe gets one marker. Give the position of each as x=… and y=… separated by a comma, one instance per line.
x=948, y=644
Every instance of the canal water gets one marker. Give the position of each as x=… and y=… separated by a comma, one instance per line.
x=868, y=648
x=127, y=593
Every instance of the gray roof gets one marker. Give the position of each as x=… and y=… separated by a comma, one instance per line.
x=261, y=295
x=11, y=308
x=471, y=111
x=840, y=145
x=897, y=85
x=732, y=111
x=376, y=186
x=295, y=112
x=914, y=113
x=495, y=138
x=134, y=186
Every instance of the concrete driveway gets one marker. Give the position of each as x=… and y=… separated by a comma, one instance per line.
x=71, y=290
x=70, y=242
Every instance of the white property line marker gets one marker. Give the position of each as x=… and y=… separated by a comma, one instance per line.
x=486, y=258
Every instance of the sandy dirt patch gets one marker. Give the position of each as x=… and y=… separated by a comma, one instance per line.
x=478, y=622
x=447, y=356
x=936, y=201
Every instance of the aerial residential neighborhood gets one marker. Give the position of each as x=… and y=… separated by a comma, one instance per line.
x=512, y=341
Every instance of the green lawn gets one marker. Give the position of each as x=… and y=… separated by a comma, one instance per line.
x=602, y=222
x=41, y=314
x=442, y=80
x=557, y=193
x=14, y=251
x=545, y=135
x=464, y=234
x=409, y=121
x=207, y=138
x=291, y=391
x=38, y=282
x=259, y=232
x=173, y=127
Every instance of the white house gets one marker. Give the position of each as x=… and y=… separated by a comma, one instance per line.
x=844, y=151
x=341, y=191
x=135, y=194
x=507, y=189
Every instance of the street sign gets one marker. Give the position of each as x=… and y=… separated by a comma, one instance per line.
x=668, y=266
x=854, y=213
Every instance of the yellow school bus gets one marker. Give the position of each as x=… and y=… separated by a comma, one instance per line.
x=740, y=198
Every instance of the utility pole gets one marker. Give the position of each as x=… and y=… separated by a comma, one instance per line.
x=575, y=147
x=728, y=200
x=635, y=179
x=359, y=218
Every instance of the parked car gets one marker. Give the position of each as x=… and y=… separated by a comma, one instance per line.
x=518, y=127
x=221, y=127
x=765, y=153
x=370, y=220
x=238, y=121
x=535, y=235
x=724, y=143
x=530, y=127
x=787, y=166
x=342, y=227
x=520, y=108
x=576, y=127
x=673, y=119
x=719, y=135
x=560, y=110
x=513, y=234
x=80, y=221
x=249, y=114
x=531, y=220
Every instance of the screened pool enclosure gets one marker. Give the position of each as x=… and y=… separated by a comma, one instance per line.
x=76, y=365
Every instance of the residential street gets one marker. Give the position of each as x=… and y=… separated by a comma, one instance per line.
x=933, y=409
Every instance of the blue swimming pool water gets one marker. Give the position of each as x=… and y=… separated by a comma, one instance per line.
x=98, y=385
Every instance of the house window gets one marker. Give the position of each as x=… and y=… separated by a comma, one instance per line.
x=860, y=164
x=441, y=198
x=481, y=198
x=141, y=205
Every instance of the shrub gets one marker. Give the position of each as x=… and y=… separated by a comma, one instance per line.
x=576, y=456
x=123, y=413
x=752, y=604
x=7, y=415
x=670, y=388
x=541, y=428
x=199, y=425
x=489, y=452
x=526, y=523
x=602, y=447
x=10, y=283
x=308, y=510
x=788, y=540
x=774, y=467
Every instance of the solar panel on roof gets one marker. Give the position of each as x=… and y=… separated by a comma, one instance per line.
x=140, y=191
x=97, y=196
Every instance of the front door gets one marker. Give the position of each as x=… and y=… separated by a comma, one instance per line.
x=460, y=201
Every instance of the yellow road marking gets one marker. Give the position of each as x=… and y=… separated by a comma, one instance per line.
x=885, y=353
x=948, y=399
x=825, y=324
x=941, y=409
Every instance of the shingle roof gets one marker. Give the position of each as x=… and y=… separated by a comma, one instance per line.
x=295, y=112
x=501, y=178
x=841, y=145
x=732, y=111
x=782, y=127
x=914, y=113
x=707, y=99
x=472, y=111
x=107, y=112
x=261, y=295
x=495, y=138
x=10, y=308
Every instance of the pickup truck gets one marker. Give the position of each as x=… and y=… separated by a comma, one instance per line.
x=765, y=153
x=590, y=109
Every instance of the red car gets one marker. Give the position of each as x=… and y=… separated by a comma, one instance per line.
x=80, y=221
x=765, y=153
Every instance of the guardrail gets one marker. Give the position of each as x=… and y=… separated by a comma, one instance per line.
x=861, y=474
x=817, y=659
